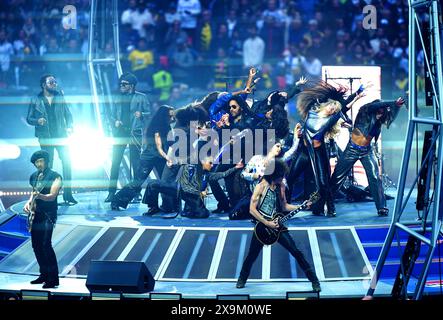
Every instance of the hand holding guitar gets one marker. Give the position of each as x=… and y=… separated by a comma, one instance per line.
x=273, y=224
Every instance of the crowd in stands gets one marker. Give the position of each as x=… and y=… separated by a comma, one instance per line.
x=173, y=44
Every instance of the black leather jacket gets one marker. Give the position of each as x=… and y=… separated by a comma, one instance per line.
x=191, y=177
x=138, y=102
x=37, y=110
x=366, y=120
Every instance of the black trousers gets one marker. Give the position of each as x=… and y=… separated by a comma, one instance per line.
x=194, y=206
x=323, y=172
x=241, y=209
x=288, y=243
x=346, y=161
x=222, y=200
x=49, y=145
x=167, y=189
x=41, y=235
x=117, y=155
x=298, y=165
x=132, y=189
x=170, y=201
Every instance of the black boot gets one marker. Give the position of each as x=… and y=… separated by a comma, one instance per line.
x=316, y=286
x=331, y=208
x=240, y=283
x=39, y=280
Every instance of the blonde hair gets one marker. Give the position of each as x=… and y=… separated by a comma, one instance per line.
x=321, y=110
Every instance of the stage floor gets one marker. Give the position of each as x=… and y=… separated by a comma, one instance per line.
x=92, y=210
x=201, y=258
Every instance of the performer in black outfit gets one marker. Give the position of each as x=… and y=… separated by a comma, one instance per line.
x=267, y=199
x=153, y=155
x=129, y=114
x=49, y=182
x=367, y=126
x=50, y=115
x=321, y=107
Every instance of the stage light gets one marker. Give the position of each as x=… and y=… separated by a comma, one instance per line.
x=165, y=296
x=302, y=295
x=9, y=151
x=89, y=148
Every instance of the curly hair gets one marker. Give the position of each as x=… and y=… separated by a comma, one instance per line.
x=190, y=113
x=275, y=169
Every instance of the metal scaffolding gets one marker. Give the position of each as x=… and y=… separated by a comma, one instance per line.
x=426, y=234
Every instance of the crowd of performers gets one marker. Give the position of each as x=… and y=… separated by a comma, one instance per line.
x=258, y=183
x=323, y=111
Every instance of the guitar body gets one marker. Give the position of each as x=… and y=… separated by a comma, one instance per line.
x=266, y=235
x=269, y=236
x=33, y=204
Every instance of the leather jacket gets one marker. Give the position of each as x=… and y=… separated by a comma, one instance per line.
x=37, y=110
x=138, y=102
x=366, y=120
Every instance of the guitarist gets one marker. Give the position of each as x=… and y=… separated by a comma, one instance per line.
x=268, y=196
x=49, y=183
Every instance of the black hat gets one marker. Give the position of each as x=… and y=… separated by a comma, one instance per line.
x=130, y=77
x=38, y=155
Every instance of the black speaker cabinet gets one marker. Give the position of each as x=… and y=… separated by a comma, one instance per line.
x=119, y=276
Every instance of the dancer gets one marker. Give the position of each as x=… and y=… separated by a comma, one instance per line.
x=367, y=127
x=153, y=155
x=321, y=107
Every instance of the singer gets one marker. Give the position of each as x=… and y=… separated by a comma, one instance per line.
x=49, y=113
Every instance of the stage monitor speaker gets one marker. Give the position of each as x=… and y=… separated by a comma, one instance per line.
x=119, y=276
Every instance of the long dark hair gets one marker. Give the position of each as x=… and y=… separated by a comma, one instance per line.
x=317, y=94
x=280, y=122
x=190, y=113
x=160, y=121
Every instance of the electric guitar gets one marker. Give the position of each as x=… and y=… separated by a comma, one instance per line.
x=33, y=204
x=269, y=236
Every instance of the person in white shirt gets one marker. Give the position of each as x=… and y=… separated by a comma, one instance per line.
x=188, y=11
x=138, y=17
x=253, y=49
x=312, y=65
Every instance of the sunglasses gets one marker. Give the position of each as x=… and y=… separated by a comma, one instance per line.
x=124, y=84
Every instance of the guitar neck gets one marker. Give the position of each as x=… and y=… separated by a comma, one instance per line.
x=293, y=212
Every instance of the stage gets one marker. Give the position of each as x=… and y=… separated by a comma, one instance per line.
x=201, y=258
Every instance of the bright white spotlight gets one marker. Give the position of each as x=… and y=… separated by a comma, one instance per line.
x=89, y=148
x=8, y=151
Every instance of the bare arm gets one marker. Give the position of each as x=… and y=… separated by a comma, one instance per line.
x=55, y=188
x=158, y=144
x=284, y=204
